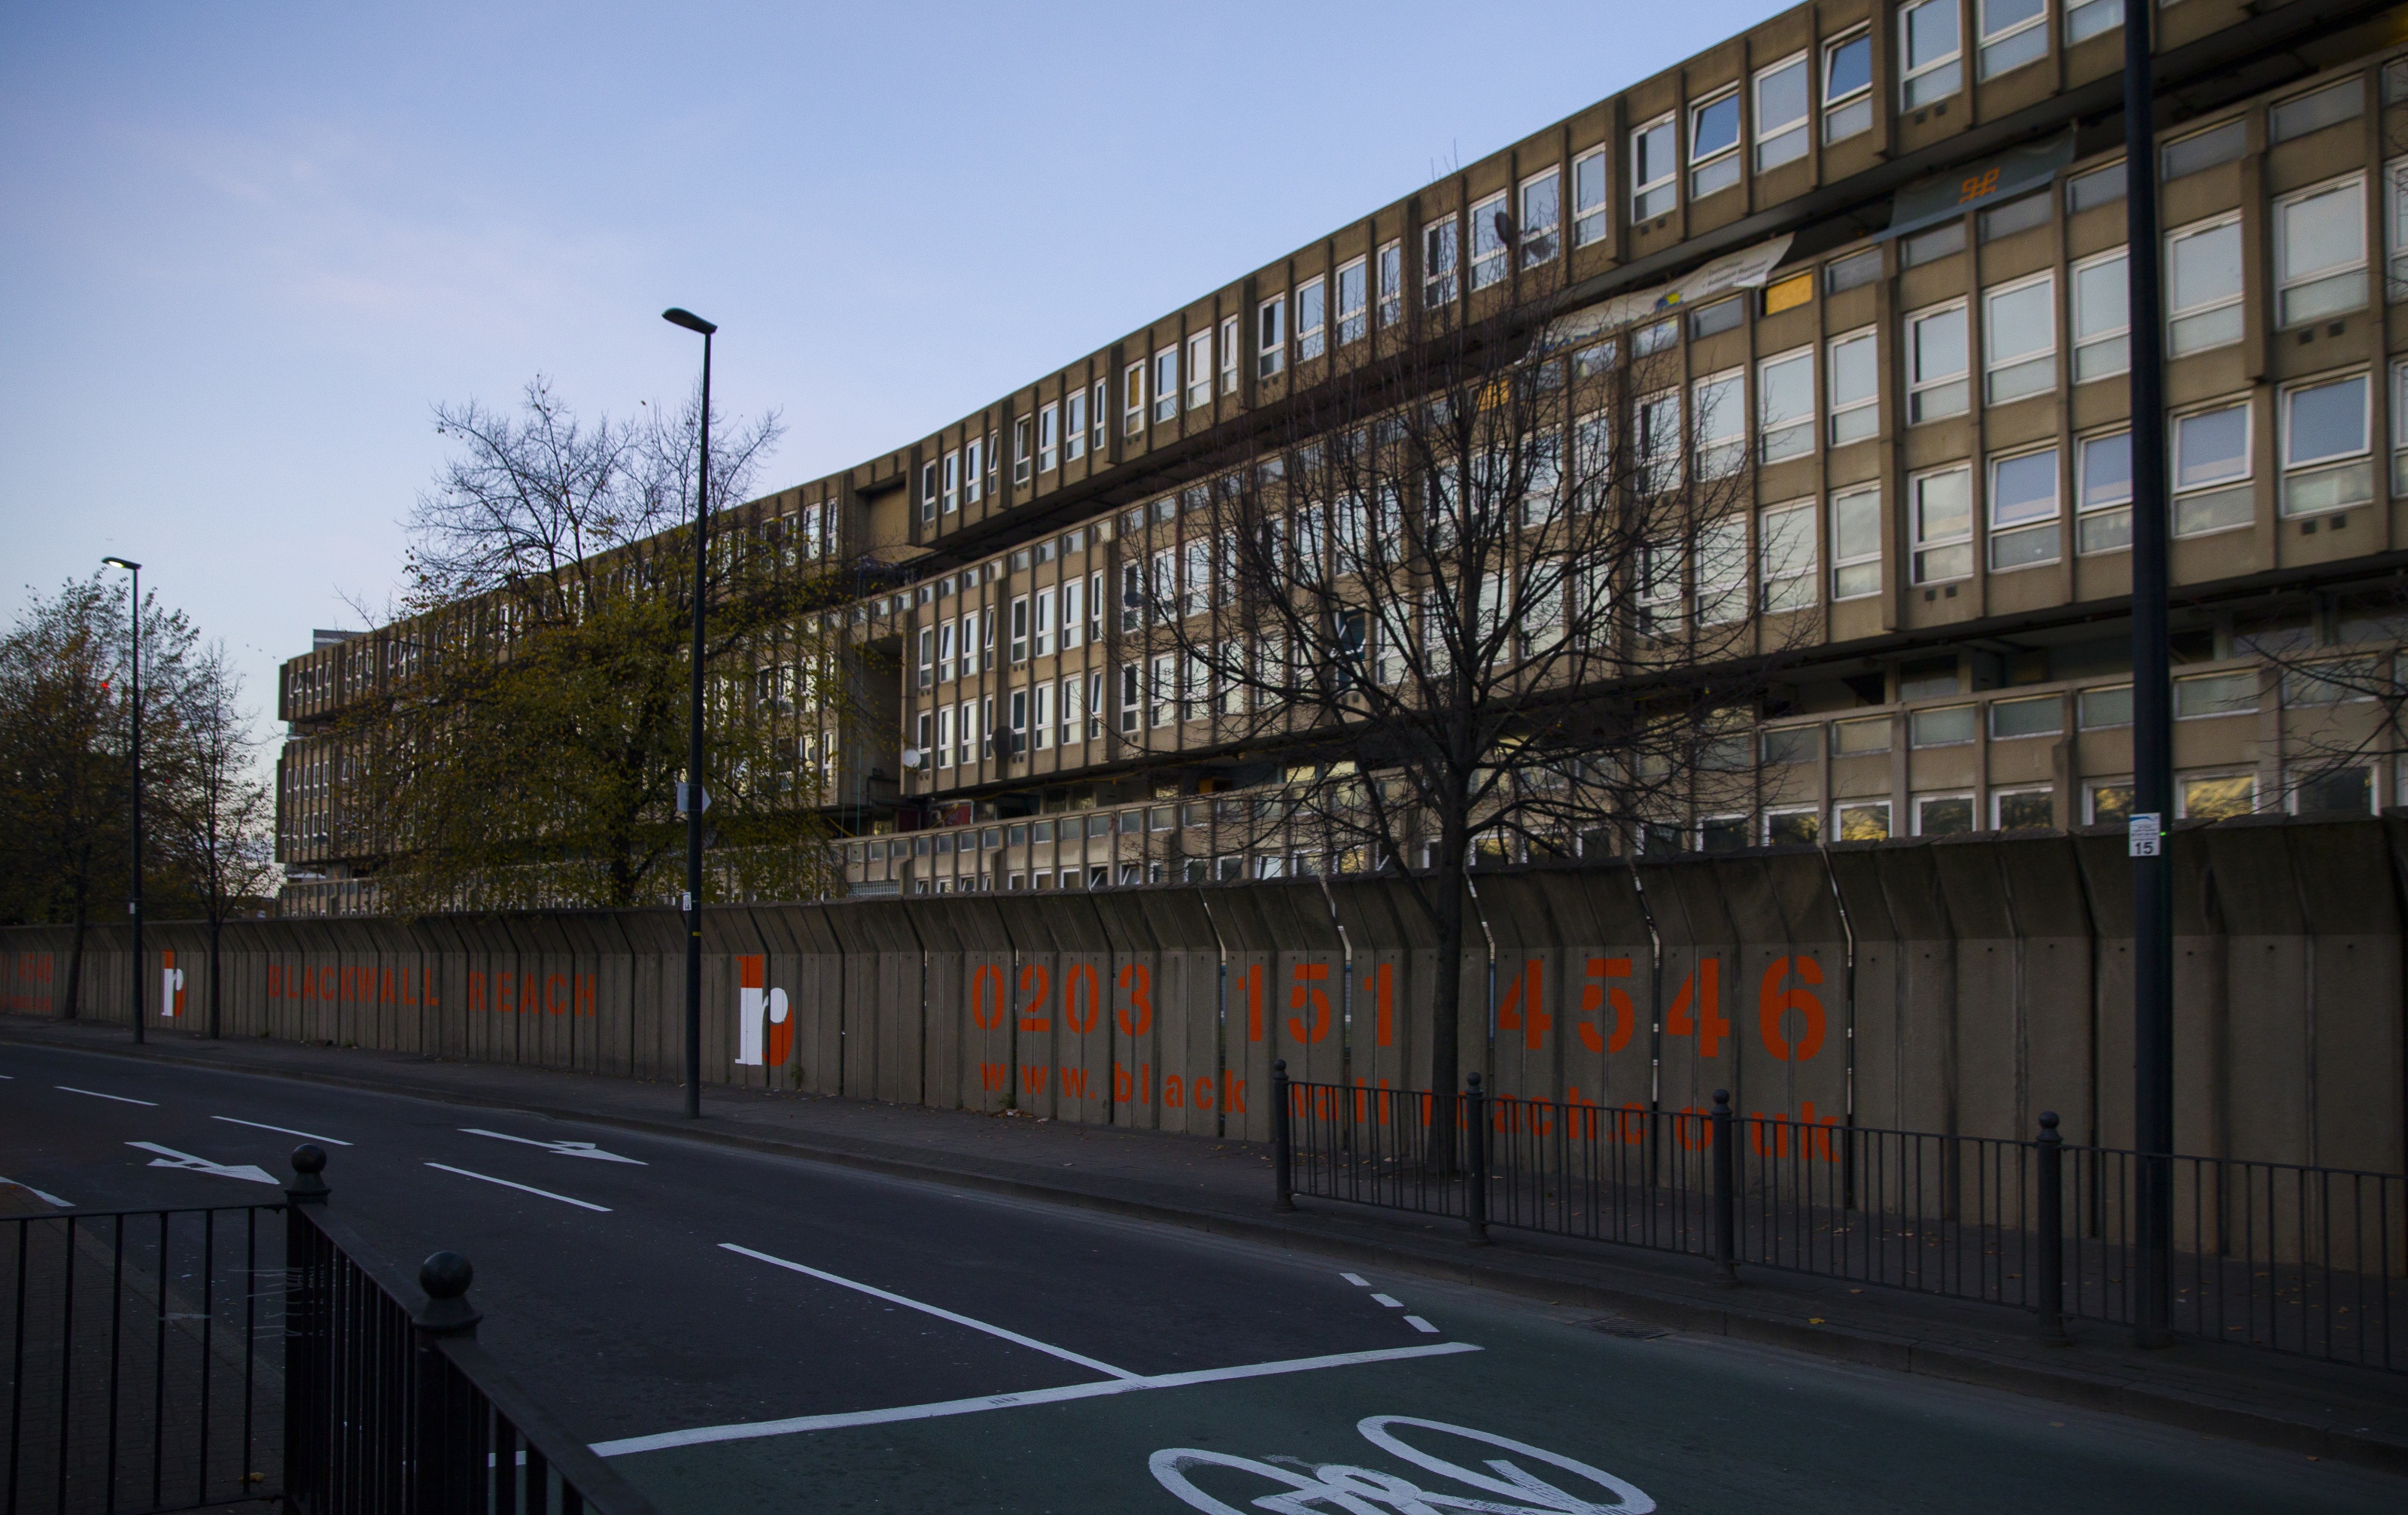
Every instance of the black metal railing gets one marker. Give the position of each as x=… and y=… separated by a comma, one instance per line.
x=395, y=1411
x=145, y=1356
x=2283, y=1256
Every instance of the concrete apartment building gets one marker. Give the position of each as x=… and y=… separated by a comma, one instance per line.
x=1893, y=233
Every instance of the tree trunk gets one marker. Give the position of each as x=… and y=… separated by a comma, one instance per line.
x=217, y=922
x=75, y=952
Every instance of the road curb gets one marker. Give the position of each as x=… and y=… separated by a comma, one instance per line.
x=2080, y=1382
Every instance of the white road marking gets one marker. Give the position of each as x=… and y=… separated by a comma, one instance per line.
x=262, y=1125
x=576, y=1149
x=169, y=1158
x=47, y=1199
x=1419, y=1325
x=1356, y=1279
x=1389, y=1300
x=526, y=1188
x=749, y=1430
x=1050, y=1350
x=98, y=1095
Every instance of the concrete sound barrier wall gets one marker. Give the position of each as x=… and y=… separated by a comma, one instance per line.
x=1959, y=986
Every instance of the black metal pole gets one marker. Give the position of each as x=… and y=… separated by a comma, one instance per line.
x=1720, y=1134
x=2153, y=957
x=694, y=800
x=133, y=901
x=2048, y=1268
x=1283, y=1152
x=1475, y=1136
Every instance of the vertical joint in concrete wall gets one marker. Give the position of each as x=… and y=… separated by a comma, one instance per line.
x=1480, y=914
x=1847, y=933
x=1654, y=988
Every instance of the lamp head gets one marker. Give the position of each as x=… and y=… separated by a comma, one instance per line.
x=126, y=563
x=679, y=316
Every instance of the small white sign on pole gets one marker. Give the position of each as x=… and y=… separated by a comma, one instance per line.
x=2146, y=836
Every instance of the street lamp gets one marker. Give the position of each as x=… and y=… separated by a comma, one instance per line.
x=133, y=902
x=692, y=791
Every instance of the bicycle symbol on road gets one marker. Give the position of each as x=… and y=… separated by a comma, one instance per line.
x=1309, y=1490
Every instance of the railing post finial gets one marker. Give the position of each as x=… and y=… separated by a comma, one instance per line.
x=446, y=1277
x=306, y=1188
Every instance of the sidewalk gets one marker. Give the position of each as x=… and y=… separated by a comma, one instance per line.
x=2316, y=1409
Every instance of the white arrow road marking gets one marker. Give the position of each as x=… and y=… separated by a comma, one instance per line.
x=1047, y=1347
x=98, y=1095
x=260, y=1125
x=169, y=1158
x=529, y=1189
x=581, y=1150
x=47, y=1199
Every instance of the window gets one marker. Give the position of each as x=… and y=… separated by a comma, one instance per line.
x=1096, y=606
x=2103, y=710
x=1100, y=409
x=2399, y=429
x=2087, y=18
x=1354, y=301
x=1074, y=428
x=1132, y=596
x=2019, y=339
x=2205, y=694
x=1944, y=524
x=2099, y=186
x=2104, y=503
x=2023, y=510
x=1785, y=557
x=1042, y=716
x=928, y=490
x=969, y=732
x=1588, y=197
x=1943, y=815
x=1542, y=197
x=1662, y=567
x=1163, y=692
x=1788, y=746
x=2012, y=719
x=927, y=657
x=1721, y=412
x=1945, y=240
x=2014, y=809
x=945, y=737
x=1784, y=405
x=1850, y=738
x=952, y=482
x=2316, y=110
x=2021, y=216
x=1044, y=623
x=1713, y=145
x=1929, y=48
x=1852, y=273
x=2320, y=251
x=1722, y=316
x=1855, y=543
x=1074, y=617
x=2211, y=470
x=1722, y=572
x=1270, y=336
x=1781, y=111
x=944, y=652
x=2327, y=463
x=2342, y=682
x=1951, y=726
x=1020, y=630
x=2220, y=796
x=1312, y=319
x=1133, y=400
x=1847, y=86
x=1659, y=443
x=2110, y=803
x=1022, y=460
x=1790, y=293
x=1016, y=737
x=2203, y=150
x=1659, y=337
x=2014, y=33
x=1166, y=383
x=1437, y=263
x=1862, y=821
x=1792, y=828
x=973, y=476
x=969, y=641
x=1654, y=186
x=1936, y=364
x=2102, y=317
x=1392, y=283
x=1094, y=728
x=1199, y=370
x=1856, y=387
x=1049, y=438
x=1131, y=701
x=2333, y=792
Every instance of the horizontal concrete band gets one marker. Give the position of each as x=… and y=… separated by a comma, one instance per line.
x=1961, y=984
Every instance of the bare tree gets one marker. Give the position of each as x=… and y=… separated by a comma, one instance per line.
x=217, y=809
x=1489, y=595
x=528, y=728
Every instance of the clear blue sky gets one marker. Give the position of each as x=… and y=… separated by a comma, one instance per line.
x=251, y=244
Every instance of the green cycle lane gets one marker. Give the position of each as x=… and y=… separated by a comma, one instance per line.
x=1553, y=1416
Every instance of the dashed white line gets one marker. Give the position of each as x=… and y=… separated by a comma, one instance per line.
x=529, y=1189
x=1034, y=1396
x=1419, y=1325
x=1356, y=1279
x=262, y=1125
x=98, y=1095
x=1049, y=1349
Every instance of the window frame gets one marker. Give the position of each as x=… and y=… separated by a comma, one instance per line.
x=2052, y=526
x=2121, y=336
x=1049, y=436
x=2352, y=186
x=2222, y=221
x=1724, y=453
x=1132, y=397
x=1988, y=41
x=1540, y=239
x=2244, y=481
x=1642, y=190
x=1200, y=369
x=1918, y=386
x=1841, y=562
x=2327, y=465
x=1074, y=424
x=1271, y=336
x=1771, y=595
x=1590, y=220
x=1311, y=318
x=1951, y=65
x=1921, y=546
x=1993, y=366
x=1388, y=281
x=1842, y=117
x=1762, y=136
x=1702, y=165
x=1354, y=320
x=2085, y=513
x=1870, y=338
x=1811, y=425
x=1442, y=260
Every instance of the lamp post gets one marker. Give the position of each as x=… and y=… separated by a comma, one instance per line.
x=692, y=790
x=133, y=900
x=2153, y=947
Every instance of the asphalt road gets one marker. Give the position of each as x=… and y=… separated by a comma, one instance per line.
x=744, y=1333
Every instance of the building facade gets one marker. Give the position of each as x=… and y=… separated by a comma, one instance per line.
x=1887, y=240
